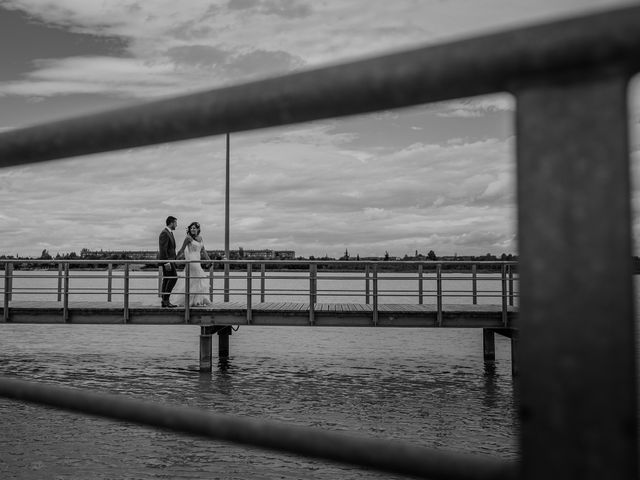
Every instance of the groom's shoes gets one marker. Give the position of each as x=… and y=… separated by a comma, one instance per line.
x=168, y=305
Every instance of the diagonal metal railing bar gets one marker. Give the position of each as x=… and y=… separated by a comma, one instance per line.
x=384, y=455
x=475, y=66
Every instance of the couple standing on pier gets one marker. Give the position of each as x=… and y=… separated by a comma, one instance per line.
x=173, y=286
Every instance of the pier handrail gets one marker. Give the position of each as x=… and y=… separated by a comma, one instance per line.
x=577, y=382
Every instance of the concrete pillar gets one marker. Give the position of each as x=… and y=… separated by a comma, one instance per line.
x=223, y=342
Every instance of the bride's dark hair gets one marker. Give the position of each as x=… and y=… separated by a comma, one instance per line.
x=193, y=224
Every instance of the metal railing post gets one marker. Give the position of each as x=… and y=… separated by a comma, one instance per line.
x=367, y=287
x=5, y=311
x=109, y=281
x=577, y=343
x=126, y=294
x=420, y=285
x=211, y=269
x=511, y=295
x=9, y=287
x=474, y=283
x=262, y=282
x=226, y=281
x=187, y=292
x=439, y=293
x=504, y=293
x=375, y=294
x=59, y=282
x=65, y=296
x=160, y=274
x=312, y=292
x=249, y=291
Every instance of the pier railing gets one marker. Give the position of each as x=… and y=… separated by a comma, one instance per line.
x=256, y=281
x=577, y=379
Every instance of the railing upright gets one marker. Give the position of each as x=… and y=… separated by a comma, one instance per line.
x=420, y=285
x=187, y=292
x=59, y=282
x=262, y=282
x=439, y=293
x=9, y=287
x=474, y=283
x=160, y=273
x=313, y=285
x=367, y=286
x=511, y=295
x=125, y=311
x=5, y=310
x=65, y=296
x=109, y=281
x=249, y=291
x=211, y=269
x=504, y=293
x=226, y=281
x=375, y=295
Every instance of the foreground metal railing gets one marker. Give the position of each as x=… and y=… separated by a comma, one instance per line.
x=577, y=383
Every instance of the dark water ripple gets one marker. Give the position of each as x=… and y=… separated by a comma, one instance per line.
x=429, y=387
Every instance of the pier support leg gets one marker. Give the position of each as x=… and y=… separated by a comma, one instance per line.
x=223, y=342
x=514, y=355
x=205, y=348
x=488, y=345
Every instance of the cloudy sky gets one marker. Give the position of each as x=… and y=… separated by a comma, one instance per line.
x=435, y=177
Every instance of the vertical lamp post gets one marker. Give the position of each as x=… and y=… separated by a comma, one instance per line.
x=226, y=228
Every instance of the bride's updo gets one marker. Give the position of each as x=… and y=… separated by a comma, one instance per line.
x=193, y=224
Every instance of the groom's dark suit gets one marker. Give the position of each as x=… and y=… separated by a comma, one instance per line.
x=167, y=251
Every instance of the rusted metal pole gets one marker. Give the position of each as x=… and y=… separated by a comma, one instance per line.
x=577, y=358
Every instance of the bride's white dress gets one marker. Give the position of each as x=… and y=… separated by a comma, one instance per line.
x=198, y=280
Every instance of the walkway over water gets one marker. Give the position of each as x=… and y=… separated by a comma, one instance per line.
x=362, y=294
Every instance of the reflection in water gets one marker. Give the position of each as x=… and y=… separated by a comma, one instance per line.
x=430, y=387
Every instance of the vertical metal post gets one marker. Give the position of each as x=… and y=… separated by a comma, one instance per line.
x=59, y=282
x=187, y=292
x=375, y=294
x=366, y=277
x=262, y=281
x=474, y=283
x=9, y=287
x=312, y=292
x=249, y=291
x=510, y=272
x=577, y=360
x=503, y=294
x=160, y=281
x=420, y=285
x=109, y=281
x=211, y=269
x=439, y=293
x=65, y=297
x=126, y=294
x=5, y=308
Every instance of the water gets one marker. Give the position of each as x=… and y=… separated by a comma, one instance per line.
x=425, y=386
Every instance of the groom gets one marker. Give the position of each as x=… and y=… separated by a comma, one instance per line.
x=167, y=244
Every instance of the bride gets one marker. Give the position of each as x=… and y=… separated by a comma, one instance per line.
x=192, y=248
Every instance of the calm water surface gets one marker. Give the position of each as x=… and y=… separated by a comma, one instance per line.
x=425, y=386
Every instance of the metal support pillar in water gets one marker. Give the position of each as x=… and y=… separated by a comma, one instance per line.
x=488, y=345
x=206, y=332
x=223, y=342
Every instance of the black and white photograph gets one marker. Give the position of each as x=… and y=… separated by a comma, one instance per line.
x=337, y=239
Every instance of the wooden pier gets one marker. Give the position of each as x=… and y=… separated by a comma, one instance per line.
x=65, y=296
